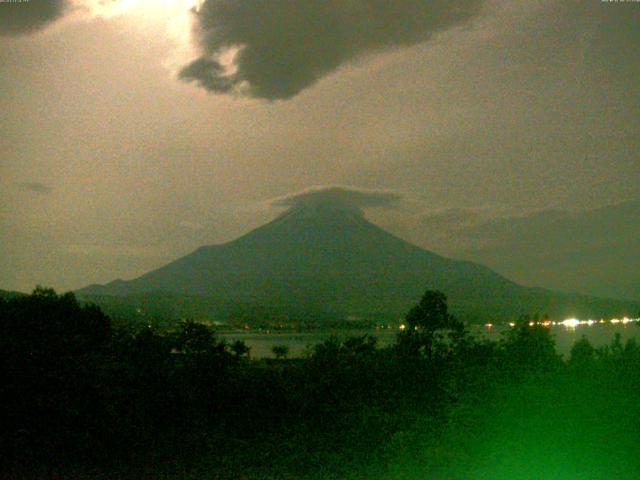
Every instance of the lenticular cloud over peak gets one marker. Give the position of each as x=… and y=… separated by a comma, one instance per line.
x=284, y=46
x=338, y=195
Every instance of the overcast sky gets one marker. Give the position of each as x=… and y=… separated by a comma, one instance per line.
x=133, y=132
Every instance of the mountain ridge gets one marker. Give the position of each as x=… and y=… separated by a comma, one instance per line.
x=594, y=251
x=327, y=257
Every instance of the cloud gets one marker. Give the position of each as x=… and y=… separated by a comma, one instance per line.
x=284, y=46
x=453, y=218
x=344, y=196
x=36, y=187
x=18, y=18
x=460, y=218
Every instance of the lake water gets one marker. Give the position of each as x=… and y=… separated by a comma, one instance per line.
x=301, y=343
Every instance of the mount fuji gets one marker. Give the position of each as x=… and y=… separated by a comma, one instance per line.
x=323, y=258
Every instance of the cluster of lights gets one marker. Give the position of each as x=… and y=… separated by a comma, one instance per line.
x=568, y=323
x=574, y=322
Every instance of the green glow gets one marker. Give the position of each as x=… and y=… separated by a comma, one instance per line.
x=555, y=430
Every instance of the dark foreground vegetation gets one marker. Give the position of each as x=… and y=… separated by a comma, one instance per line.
x=83, y=399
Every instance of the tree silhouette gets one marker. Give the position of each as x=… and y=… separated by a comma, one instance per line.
x=47, y=325
x=582, y=353
x=240, y=349
x=51, y=351
x=425, y=320
x=530, y=348
x=280, y=351
x=360, y=345
x=192, y=337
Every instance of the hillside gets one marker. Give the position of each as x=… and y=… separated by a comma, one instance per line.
x=325, y=259
x=595, y=251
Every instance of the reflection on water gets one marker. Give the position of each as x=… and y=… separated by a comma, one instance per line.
x=565, y=335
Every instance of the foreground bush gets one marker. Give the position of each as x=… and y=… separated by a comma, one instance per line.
x=86, y=400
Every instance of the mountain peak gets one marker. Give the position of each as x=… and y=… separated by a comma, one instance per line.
x=322, y=257
x=323, y=210
x=337, y=197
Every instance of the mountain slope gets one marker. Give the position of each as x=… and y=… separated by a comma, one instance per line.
x=326, y=258
x=594, y=251
x=7, y=295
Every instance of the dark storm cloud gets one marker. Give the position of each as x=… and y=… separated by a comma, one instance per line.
x=210, y=75
x=338, y=194
x=17, y=18
x=35, y=187
x=287, y=45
